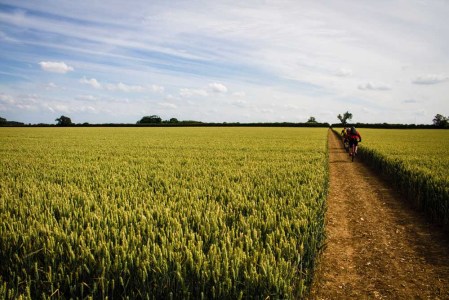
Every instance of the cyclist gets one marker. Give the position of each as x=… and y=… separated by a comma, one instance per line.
x=354, y=139
x=344, y=136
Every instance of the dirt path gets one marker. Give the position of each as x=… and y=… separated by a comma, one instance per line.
x=378, y=248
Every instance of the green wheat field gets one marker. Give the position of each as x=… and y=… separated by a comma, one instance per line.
x=195, y=213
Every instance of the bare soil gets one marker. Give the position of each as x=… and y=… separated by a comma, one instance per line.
x=378, y=247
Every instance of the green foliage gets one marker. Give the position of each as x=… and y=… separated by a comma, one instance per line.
x=417, y=162
x=150, y=120
x=64, y=121
x=344, y=119
x=225, y=213
x=312, y=120
x=441, y=121
x=4, y=122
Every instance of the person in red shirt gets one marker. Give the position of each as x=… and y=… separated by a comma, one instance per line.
x=354, y=139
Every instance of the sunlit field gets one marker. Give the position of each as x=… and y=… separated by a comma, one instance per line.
x=418, y=163
x=161, y=212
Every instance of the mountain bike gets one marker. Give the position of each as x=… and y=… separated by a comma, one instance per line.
x=353, y=152
x=346, y=144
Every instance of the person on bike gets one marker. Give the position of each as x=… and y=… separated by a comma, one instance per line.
x=344, y=133
x=354, y=139
x=344, y=137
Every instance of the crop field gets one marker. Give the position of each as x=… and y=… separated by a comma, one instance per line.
x=417, y=161
x=169, y=213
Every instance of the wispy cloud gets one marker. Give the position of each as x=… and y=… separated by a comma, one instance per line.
x=6, y=38
x=240, y=103
x=124, y=88
x=157, y=88
x=51, y=86
x=92, y=82
x=7, y=99
x=210, y=55
x=186, y=92
x=374, y=87
x=431, y=79
x=55, y=67
x=121, y=87
x=218, y=87
x=168, y=105
x=89, y=98
x=344, y=72
x=239, y=94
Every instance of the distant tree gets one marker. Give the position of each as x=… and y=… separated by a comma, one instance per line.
x=64, y=121
x=174, y=120
x=312, y=120
x=3, y=121
x=346, y=116
x=150, y=120
x=441, y=121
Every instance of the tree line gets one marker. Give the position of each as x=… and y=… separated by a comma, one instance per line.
x=157, y=121
x=439, y=121
x=4, y=122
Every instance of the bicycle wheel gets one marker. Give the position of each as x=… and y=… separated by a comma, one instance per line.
x=353, y=152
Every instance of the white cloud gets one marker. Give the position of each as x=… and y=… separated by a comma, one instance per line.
x=62, y=108
x=290, y=107
x=239, y=94
x=55, y=67
x=157, y=88
x=186, y=93
x=374, y=87
x=89, y=109
x=170, y=97
x=218, y=87
x=86, y=98
x=122, y=87
x=314, y=55
x=240, y=103
x=168, y=105
x=7, y=99
x=92, y=82
x=266, y=110
x=430, y=79
x=50, y=86
x=343, y=72
x=125, y=88
x=6, y=38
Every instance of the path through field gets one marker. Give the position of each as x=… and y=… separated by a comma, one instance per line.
x=378, y=248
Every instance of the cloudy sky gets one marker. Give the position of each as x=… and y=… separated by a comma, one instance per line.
x=224, y=61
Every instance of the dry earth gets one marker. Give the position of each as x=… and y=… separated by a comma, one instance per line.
x=377, y=246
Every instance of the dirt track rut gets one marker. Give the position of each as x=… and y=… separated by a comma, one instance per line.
x=377, y=246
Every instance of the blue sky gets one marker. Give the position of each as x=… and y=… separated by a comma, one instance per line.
x=224, y=61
